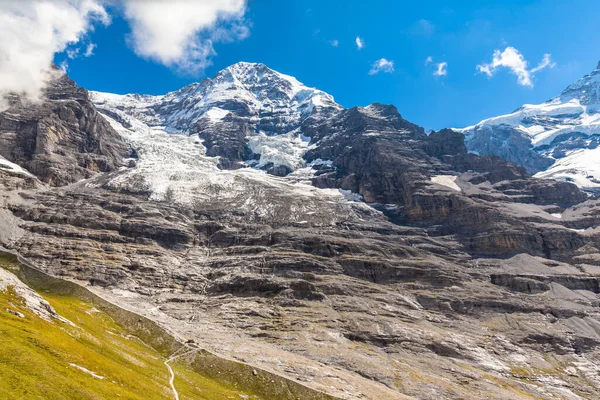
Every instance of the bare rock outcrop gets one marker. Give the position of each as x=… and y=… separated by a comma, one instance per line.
x=63, y=139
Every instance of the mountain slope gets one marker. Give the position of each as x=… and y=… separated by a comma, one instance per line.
x=343, y=249
x=71, y=344
x=557, y=139
x=69, y=349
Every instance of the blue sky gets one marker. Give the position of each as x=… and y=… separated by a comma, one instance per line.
x=295, y=37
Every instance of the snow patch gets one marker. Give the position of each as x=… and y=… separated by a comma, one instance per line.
x=351, y=196
x=319, y=162
x=87, y=371
x=13, y=168
x=448, y=181
x=580, y=167
x=280, y=150
x=216, y=114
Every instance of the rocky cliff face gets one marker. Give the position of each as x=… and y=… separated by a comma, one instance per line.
x=61, y=140
x=345, y=248
x=557, y=139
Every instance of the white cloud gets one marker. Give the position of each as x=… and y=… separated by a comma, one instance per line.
x=74, y=52
x=64, y=66
x=335, y=43
x=32, y=32
x=360, y=43
x=512, y=59
x=181, y=33
x=545, y=63
x=89, y=50
x=442, y=69
x=382, y=65
x=428, y=60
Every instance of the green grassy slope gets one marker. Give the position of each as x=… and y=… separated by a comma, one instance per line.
x=126, y=352
x=38, y=358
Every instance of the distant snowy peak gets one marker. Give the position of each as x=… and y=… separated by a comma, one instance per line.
x=245, y=89
x=582, y=97
x=557, y=139
x=586, y=90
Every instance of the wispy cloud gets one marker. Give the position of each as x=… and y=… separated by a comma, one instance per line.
x=423, y=27
x=75, y=52
x=382, y=65
x=334, y=43
x=89, y=50
x=428, y=60
x=513, y=60
x=545, y=63
x=360, y=43
x=442, y=69
x=64, y=66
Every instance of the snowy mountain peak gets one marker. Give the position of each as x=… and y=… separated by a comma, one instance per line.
x=254, y=75
x=246, y=110
x=558, y=139
x=269, y=87
x=245, y=89
x=586, y=90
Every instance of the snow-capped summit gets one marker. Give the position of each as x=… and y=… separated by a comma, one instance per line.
x=269, y=88
x=558, y=139
x=246, y=89
x=586, y=90
x=246, y=114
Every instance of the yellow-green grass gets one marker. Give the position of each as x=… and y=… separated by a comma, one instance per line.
x=36, y=358
x=7, y=260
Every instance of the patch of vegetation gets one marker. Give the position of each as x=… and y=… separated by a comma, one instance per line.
x=7, y=260
x=193, y=386
x=56, y=360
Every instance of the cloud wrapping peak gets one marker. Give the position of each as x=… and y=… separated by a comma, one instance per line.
x=32, y=32
x=442, y=69
x=382, y=65
x=181, y=33
x=512, y=59
x=360, y=43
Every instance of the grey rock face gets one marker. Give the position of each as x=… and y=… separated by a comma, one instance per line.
x=510, y=144
x=62, y=140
